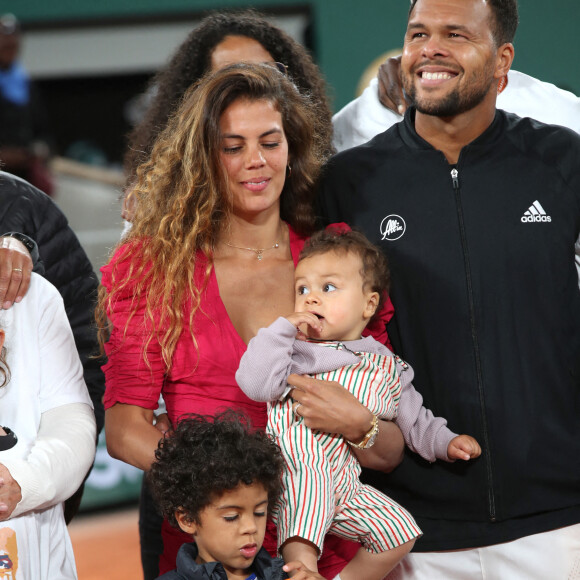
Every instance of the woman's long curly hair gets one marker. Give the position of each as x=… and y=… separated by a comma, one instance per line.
x=193, y=60
x=183, y=201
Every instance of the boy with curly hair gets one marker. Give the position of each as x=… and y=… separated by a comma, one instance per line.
x=341, y=281
x=215, y=479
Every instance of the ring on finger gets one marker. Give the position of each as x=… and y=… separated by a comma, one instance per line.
x=17, y=269
x=296, y=409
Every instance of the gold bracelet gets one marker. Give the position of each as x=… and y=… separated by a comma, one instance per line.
x=371, y=436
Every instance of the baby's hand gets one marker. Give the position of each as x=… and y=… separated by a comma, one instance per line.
x=301, y=572
x=299, y=318
x=463, y=447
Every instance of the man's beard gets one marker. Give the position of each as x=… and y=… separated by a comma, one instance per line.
x=454, y=103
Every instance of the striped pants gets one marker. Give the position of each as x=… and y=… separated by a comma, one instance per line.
x=321, y=473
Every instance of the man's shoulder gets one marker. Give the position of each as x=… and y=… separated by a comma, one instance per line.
x=543, y=141
x=527, y=96
x=17, y=191
x=383, y=146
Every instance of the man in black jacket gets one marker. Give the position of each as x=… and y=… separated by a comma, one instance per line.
x=63, y=262
x=478, y=212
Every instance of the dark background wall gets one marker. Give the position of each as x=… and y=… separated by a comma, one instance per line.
x=351, y=33
x=346, y=36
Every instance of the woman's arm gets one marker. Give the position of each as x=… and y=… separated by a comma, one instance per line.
x=328, y=406
x=56, y=465
x=131, y=435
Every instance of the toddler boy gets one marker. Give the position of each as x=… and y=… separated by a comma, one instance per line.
x=215, y=479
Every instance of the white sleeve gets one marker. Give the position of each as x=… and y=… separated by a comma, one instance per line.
x=59, y=459
x=360, y=120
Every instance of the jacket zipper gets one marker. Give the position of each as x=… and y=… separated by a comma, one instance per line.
x=485, y=446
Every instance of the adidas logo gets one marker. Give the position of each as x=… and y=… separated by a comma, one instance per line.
x=535, y=213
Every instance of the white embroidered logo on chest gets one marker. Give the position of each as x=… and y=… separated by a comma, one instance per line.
x=393, y=227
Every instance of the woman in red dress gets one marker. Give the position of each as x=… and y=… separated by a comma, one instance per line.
x=223, y=207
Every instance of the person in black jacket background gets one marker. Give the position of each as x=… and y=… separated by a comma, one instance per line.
x=26, y=212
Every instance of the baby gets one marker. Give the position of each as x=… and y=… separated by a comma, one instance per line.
x=341, y=281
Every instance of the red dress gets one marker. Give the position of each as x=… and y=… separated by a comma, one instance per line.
x=200, y=380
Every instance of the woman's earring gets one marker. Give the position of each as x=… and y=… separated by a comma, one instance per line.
x=289, y=171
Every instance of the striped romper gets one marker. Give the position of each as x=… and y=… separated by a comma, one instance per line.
x=322, y=471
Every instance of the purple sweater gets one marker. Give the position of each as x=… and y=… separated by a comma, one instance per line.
x=274, y=354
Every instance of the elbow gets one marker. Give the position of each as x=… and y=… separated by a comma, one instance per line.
x=393, y=462
x=114, y=447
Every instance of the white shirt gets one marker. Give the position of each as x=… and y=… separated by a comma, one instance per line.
x=47, y=406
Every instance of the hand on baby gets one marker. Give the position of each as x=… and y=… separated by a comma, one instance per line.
x=299, y=318
x=301, y=572
x=463, y=447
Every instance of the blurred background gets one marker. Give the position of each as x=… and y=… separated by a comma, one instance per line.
x=91, y=62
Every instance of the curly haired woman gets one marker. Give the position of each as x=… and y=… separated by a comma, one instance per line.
x=223, y=209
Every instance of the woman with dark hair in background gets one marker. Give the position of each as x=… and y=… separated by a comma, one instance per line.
x=223, y=209
x=224, y=38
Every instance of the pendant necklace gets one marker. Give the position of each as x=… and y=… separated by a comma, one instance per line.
x=258, y=251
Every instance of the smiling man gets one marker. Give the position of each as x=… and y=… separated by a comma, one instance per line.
x=478, y=212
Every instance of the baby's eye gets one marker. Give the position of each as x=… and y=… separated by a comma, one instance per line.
x=302, y=290
x=231, y=518
x=260, y=514
x=328, y=287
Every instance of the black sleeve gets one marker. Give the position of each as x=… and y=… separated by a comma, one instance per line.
x=25, y=209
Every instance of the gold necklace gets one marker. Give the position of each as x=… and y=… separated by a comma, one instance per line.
x=258, y=251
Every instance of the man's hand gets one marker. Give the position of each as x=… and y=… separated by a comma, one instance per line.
x=391, y=94
x=15, y=271
x=10, y=493
x=301, y=572
x=463, y=447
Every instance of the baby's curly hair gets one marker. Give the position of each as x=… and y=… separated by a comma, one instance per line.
x=206, y=456
x=375, y=269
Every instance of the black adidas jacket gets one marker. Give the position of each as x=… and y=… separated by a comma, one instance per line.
x=25, y=209
x=487, y=311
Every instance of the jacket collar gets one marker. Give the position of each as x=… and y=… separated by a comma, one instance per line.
x=412, y=139
x=265, y=567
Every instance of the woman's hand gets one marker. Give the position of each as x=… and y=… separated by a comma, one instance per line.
x=329, y=407
x=15, y=271
x=10, y=493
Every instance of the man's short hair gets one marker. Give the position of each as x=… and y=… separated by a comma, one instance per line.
x=505, y=19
